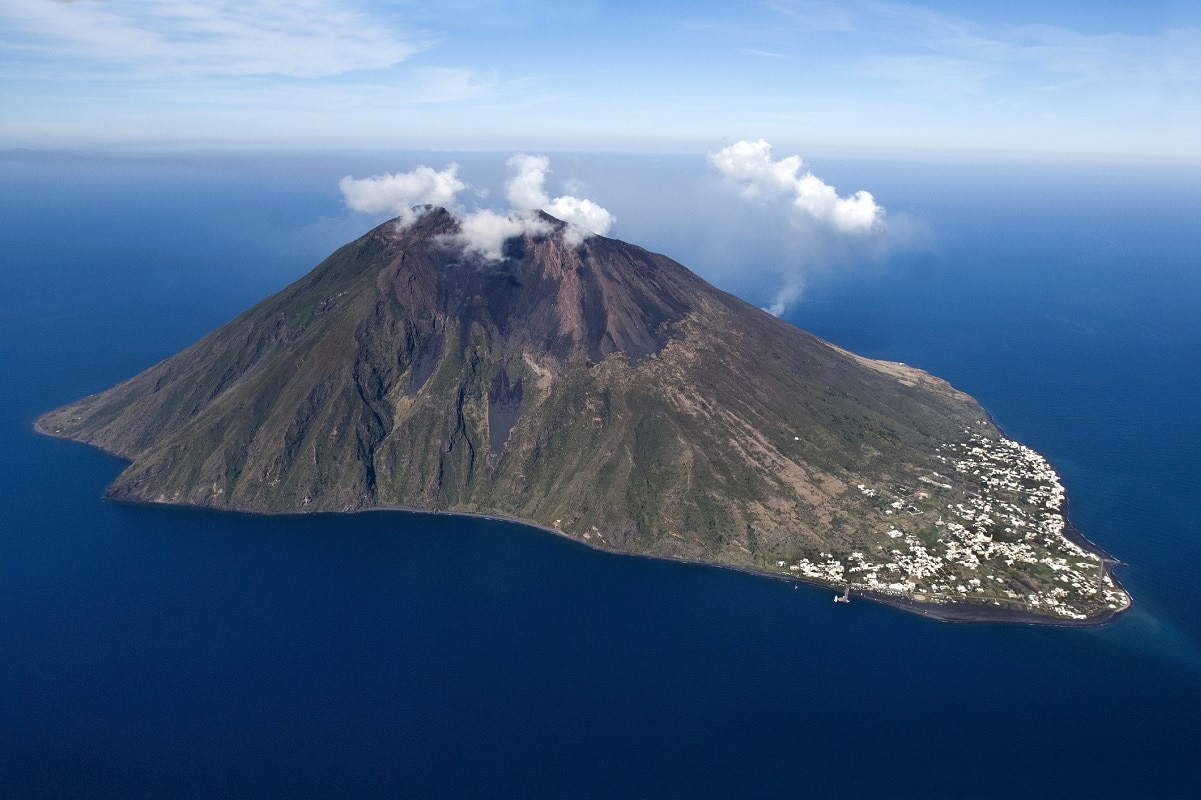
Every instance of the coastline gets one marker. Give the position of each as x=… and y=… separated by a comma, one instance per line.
x=1073, y=534
x=941, y=612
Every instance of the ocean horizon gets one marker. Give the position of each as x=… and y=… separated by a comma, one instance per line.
x=155, y=651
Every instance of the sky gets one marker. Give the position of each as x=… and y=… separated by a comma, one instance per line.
x=1053, y=78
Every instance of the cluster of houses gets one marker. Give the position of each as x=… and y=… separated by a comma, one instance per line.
x=1002, y=544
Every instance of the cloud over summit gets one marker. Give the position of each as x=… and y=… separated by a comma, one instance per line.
x=794, y=228
x=399, y=193
x=526, y=191
x=483, y=231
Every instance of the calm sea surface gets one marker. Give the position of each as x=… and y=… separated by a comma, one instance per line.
x=148, y=652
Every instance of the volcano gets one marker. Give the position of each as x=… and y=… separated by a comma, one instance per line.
x=605, y=392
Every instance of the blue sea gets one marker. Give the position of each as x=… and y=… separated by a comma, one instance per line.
x=159, y=652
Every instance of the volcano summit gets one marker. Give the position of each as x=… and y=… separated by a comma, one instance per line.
x=588, y=386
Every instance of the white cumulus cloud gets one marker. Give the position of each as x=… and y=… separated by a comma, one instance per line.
x=526, y=191
x=751, y=166
x=527, y=188
x=799, y=228
x=485, y=232
x=585, y=216
x=399, y=193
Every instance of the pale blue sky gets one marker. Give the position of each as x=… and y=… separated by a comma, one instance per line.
x=1060, y=78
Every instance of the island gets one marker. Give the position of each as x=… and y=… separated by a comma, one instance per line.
x=607, y=393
